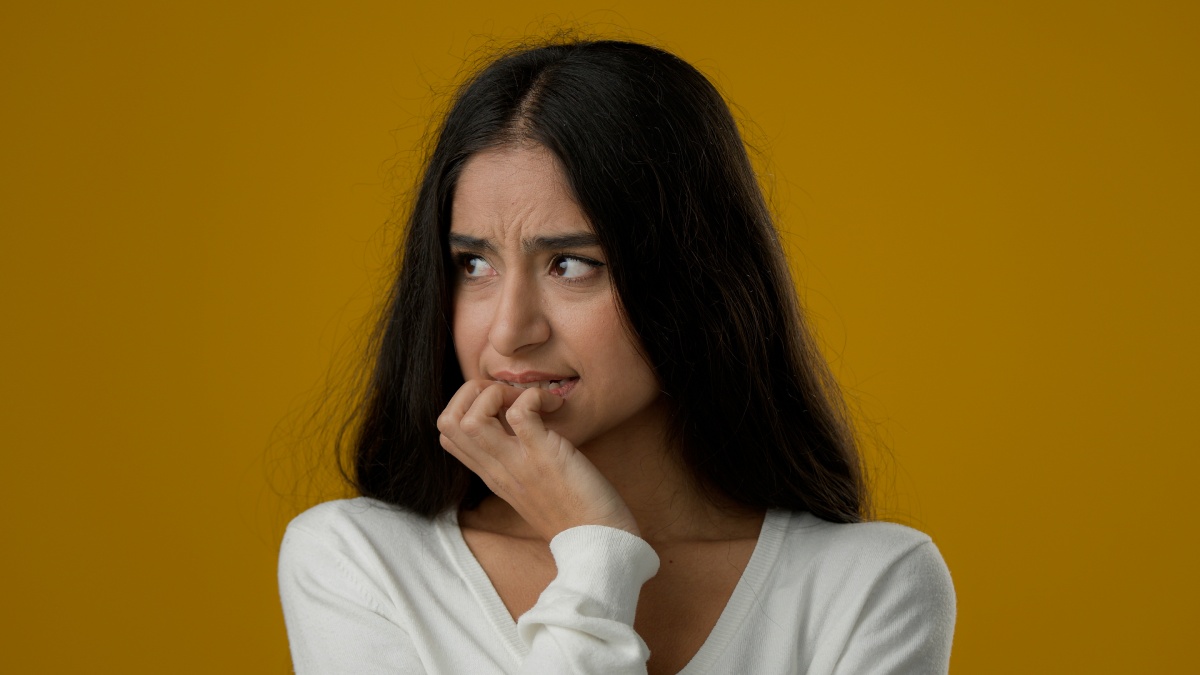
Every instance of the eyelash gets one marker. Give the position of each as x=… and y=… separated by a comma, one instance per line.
x=463, y=259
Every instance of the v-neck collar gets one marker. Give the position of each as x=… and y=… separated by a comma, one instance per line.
x=745, y=594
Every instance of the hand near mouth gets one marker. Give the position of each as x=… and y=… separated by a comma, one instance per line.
x=538, y=472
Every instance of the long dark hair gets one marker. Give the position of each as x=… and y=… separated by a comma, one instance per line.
x=657, y=164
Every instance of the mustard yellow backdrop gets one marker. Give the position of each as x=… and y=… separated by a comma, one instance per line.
x=991, y=208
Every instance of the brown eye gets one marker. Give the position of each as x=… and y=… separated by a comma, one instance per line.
x=475, y=267
x=572, y=267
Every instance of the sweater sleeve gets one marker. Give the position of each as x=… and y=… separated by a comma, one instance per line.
x=907, y=622
x=583, y=621
x=334, y=623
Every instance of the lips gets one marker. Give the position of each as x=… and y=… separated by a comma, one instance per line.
x=559, y=385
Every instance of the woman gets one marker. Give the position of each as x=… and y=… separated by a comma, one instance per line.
x=597, y=438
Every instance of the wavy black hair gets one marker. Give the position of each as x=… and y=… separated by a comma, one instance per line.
x=658, y=166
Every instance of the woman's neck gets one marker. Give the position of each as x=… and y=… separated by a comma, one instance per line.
x=666, y=502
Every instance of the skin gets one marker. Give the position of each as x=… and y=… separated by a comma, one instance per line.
x=534, y=300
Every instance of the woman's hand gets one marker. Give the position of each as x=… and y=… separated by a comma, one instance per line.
x=537, y=471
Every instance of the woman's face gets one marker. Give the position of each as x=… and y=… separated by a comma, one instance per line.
x=534, y=303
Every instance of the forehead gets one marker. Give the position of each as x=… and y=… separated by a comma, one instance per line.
x=514, y=192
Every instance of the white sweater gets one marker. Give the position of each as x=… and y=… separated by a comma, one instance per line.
x=367, y=589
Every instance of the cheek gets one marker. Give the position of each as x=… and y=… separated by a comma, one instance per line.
x=620, y=362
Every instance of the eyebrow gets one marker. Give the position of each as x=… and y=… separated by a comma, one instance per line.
x=528, y=246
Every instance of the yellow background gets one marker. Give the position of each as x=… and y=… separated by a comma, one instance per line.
x=992, y=208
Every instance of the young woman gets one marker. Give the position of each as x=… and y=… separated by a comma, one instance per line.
x=598, y=438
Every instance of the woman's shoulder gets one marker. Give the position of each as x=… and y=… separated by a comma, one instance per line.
x=359, y=514
x=861, y=552
x=364, y=531
x=358, y=579
x=875, y=538
x=858, y=595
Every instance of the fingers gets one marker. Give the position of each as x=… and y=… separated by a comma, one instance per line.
x=525, y=415
x=460, y=403
x=494, y=429
x=474, y=431
x=471, y=418
x=481, y=422
x=448, y=421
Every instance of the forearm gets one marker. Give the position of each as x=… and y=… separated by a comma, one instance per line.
x=583, y=621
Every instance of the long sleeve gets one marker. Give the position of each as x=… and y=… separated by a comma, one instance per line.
x=907, y=622
x=583, y=621
x=333, y=622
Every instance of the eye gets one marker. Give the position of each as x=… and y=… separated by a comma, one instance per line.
x=573, y=268
x=475, y=267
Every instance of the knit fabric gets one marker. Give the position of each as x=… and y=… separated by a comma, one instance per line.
x=368, y=588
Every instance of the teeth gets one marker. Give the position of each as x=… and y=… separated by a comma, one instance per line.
x=542, y=384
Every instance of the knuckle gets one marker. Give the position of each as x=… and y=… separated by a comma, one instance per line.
x=471, y=426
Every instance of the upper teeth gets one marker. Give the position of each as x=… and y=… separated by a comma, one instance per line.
x=544, y=384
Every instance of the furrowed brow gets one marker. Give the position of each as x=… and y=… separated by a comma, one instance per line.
x=566, y=241
x=470, y=243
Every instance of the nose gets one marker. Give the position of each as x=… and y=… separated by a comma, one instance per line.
x=520, y=320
